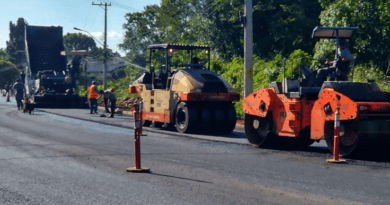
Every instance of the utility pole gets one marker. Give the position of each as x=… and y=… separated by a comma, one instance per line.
x=104, y=43
x=248, y=49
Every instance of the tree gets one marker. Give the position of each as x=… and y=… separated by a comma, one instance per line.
x=141, y=30
x=98, y=54
x=16, y=44
x=371, y=17
x=280, y=26
x=78, y=41
x=8, y=72
x=4, y=55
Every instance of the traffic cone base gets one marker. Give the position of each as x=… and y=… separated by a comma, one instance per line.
x=336, y=161
x=142, y=170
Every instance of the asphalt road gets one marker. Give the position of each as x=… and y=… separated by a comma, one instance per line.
x=46, y=158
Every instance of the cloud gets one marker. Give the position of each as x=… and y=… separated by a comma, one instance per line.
x=110, y=35
x=97, y=34
x=113, y=34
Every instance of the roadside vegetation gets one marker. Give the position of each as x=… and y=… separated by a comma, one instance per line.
x=281, y=38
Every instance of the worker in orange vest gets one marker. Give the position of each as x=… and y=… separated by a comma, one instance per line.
x=93, y=95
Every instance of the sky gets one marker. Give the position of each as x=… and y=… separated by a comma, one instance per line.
x=72, y=13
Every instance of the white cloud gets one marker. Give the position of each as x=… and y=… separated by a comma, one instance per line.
x=110, y=35
x=97, y=34
x=113, y=34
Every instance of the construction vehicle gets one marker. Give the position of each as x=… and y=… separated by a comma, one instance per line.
x=50, y=83
x=180, y=90
x=290, y=110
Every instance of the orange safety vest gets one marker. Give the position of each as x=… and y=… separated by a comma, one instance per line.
x=92, y=93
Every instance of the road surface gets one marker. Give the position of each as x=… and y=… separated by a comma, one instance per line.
x=47, y=158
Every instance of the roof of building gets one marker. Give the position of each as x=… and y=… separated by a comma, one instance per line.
x=97, y=66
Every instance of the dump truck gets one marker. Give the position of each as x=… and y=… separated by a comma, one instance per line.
x=292, y=110
x=180, y=91
x=50, y=82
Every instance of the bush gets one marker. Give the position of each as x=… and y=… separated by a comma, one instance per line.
x=8, y=72
x=264, y=72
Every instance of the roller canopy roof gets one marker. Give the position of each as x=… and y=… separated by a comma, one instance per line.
x=330, y=32
x=178, y=46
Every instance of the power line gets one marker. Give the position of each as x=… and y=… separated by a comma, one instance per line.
x=124, y=6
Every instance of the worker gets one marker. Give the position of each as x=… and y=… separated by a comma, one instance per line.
x=112, y=98
x=90, y=82
x=7, y=87
x=105, y=94
x=340, y=68
x=18, y=87
x=22, y=77
x=93, y=95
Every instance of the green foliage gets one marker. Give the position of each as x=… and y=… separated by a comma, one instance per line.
x=279, y=26
x=4, y=55
x=8, y=72
x=371, y=16
x=78, y=41
x=98, y=54
x=264, y=72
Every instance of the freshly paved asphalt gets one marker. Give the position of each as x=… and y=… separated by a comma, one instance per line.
x=47, y=158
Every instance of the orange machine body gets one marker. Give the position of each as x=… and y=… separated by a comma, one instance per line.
x=292, y=115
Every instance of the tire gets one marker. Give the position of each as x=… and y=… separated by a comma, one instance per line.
x=262, y=135
x=205, y=119
x=219, y=118
x=155, y=124
x=303, y=139
x=348, y=142
x=146, y=123
x=186, y=117
x=230, y=119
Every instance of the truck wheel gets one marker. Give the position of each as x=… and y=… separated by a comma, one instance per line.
x=205, y=119
x=258, y=130
x=230, y=119
x=186, y=117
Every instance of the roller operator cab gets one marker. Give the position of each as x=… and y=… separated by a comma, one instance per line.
x=293, y=112
x=181, y=91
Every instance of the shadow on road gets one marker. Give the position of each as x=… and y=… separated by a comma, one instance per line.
x=195, y=180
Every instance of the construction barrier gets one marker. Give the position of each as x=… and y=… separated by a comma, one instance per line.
x=137, y=140
x=336, y=141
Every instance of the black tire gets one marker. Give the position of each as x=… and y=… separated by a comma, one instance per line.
x=348, y=141
x=219, y=118
x=186, y=117
x=230, y=119
x=205, y=119
x=146, y=123
x=303, y=139
x=155, y=124
x=262, y=135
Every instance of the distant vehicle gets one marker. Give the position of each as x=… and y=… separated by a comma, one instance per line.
x=307, y=114
x=180, y=90
x=50, y=83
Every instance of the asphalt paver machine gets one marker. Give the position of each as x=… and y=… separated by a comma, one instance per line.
x=180, y=90
x=290, y=110
x=50, y=83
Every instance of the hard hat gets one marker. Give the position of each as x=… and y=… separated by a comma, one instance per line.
x=93, y=82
